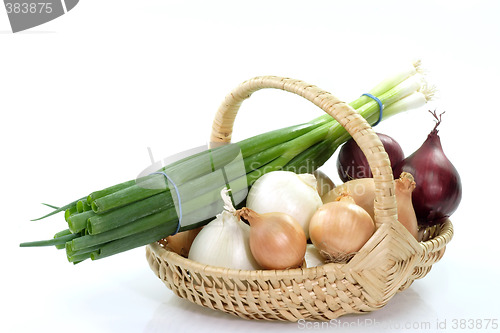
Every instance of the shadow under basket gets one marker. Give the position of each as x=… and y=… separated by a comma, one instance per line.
x=388, y=263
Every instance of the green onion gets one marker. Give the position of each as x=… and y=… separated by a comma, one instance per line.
x=60, y=209
x=49, y=242
x=78, y=221
x=137, y=212
x=51, y=206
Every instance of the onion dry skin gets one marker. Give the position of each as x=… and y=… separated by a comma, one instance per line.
x=339, y=229
x=277, y=240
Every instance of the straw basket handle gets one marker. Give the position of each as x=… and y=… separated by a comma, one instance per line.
x=385, y=200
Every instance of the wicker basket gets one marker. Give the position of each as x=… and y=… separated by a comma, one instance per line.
x=389, y=262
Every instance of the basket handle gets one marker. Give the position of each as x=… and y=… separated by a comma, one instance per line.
x=385, y=200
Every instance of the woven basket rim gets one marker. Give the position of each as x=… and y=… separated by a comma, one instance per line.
x=433, y=244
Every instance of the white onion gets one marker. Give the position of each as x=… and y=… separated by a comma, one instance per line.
x=286, y=192
x=224, y=242
x=313, y=258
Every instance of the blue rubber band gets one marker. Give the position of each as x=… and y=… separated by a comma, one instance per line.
x=178, y=198
x=380, y=107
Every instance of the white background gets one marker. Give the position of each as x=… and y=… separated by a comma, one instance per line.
x=83, y=96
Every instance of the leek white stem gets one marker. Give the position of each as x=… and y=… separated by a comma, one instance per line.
x=406, y=88
x=413, y=101
x=396, y=78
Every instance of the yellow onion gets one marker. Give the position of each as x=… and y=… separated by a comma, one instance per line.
x=363, y=193
x=361, y=190
x=277, y=240
x=339, y=229
x=180, y=243
x=406, y=214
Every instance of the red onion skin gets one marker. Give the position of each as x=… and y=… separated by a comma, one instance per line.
x=439, y=189
x=352, y=163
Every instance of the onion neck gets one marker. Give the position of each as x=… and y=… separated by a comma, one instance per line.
x=405, y=184
x=434, y=140
x=251, y=216
x=433, y=135
x=345, y=197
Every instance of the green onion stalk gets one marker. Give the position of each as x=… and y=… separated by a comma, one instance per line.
x=144, y=210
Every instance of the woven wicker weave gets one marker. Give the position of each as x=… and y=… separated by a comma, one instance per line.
x=390, y=261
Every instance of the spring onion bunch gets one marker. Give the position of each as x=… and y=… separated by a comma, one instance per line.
x=144, y=210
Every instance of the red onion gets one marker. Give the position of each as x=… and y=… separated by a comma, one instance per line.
x=352, y=163
x=439, y=190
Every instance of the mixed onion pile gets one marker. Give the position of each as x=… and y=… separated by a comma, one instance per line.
x=302, y=220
